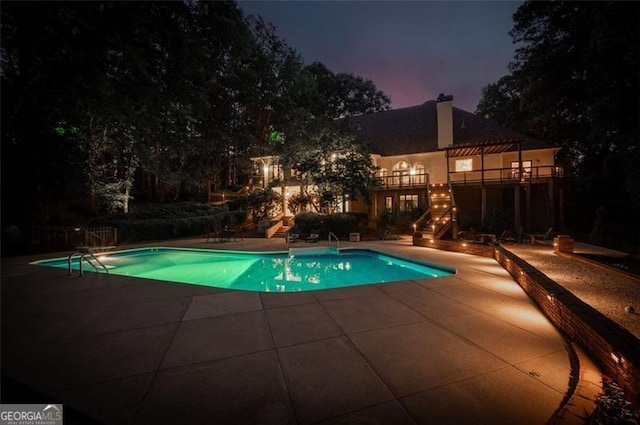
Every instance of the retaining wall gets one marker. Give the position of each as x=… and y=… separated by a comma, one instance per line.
x=456, y=246
x=613, y=348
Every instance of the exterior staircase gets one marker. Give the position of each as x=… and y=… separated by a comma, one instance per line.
x=441, y=216
x=287, y=224
x=281, y=232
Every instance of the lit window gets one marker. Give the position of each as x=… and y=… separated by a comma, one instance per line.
x=526, y=166
x=526, y=169
x=401, y=173
x=464, y=165
x=401, y=177
x=420, y=172
x=388, y=203
x=408, y=202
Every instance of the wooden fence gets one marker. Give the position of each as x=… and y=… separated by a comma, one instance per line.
x=70, y=236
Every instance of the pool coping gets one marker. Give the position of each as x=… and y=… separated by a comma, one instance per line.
x=316, y=250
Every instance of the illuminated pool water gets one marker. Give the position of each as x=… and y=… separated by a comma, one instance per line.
x=259, y=271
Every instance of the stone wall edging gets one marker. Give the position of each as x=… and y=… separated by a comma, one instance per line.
x=614, y=349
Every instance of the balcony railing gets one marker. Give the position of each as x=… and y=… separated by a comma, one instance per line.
x=507, y=175
x=404, y=181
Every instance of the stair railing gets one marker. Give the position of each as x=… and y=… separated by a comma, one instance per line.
x=427, y=213
x=454, y=210
x=331, y=234
x=82, y=255
x=442, y=223
x=421, y=219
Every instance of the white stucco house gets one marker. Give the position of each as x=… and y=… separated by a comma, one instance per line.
x=452, y=164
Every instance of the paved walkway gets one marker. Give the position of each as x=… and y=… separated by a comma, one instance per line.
x=468, y=348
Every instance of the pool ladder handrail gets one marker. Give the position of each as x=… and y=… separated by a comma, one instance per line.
x=85, y=254
x=336, y=238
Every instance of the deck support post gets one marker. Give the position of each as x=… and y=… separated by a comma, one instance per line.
x=552, y=209
x=529, y=207
x=483, y=204
x=516, y=206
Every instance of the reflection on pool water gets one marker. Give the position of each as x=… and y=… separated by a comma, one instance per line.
x=259, y=271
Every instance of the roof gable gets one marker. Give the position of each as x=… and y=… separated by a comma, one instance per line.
x=415, y=130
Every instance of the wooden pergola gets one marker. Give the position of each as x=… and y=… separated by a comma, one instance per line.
x=481, y=149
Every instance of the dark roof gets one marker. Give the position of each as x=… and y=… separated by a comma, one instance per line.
x=415, y=129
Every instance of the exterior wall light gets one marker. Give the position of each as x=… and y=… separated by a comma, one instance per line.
x=617, y=358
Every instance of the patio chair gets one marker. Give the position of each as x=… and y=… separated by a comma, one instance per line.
x=293, y=237
x=313, y=237
x=540, y=238
x=508, y=237
x=469, y=236
x=213, y=233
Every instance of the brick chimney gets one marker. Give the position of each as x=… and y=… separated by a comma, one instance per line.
x=444, y=112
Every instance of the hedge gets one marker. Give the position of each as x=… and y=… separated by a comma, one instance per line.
x=340, y=224
x=142, y=230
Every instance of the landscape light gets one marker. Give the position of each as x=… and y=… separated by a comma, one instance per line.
x=616, y=358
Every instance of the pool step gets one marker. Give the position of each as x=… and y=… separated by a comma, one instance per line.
x=320, y=250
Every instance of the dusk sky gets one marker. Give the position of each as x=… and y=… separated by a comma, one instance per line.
x=411, y=50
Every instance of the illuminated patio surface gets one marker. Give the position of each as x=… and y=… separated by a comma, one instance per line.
x=468, y=348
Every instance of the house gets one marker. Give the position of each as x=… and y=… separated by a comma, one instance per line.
x=453, y=165
x=429, y=151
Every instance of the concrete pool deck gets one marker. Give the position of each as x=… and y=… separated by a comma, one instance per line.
x=468, y=348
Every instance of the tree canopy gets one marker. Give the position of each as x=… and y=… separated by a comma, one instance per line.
x=104, y=101
x=575, y=81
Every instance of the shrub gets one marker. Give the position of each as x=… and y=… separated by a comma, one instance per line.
x=399, y=221
x=612, y=407
x=340, y=224
x=166, y=211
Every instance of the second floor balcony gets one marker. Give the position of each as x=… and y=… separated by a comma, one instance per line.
x=507, y=175
x=404, y=181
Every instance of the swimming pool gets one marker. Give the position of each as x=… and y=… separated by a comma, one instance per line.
x=301, y=270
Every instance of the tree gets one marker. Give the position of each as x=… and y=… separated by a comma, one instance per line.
x=153, y=86
x=316, y=140
x=298, y=203
x=103, y=101
x=575, y=82
x=199, y=100
x=271, y=79
x=263, y=203
x=339, y=96
x=333, y=166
